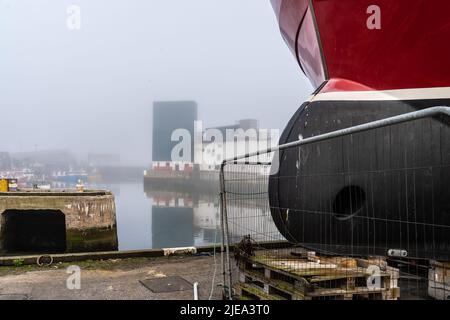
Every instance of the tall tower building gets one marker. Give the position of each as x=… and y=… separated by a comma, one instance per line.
x=169, y=116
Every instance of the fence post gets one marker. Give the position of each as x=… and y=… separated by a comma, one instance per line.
x=222, y=244
x=225, y=245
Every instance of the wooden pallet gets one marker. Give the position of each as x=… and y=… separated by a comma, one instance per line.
x=296, y=274
x=250, y=292
x=439, y=280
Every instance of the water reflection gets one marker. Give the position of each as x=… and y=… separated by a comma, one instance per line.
x=134, y=216
x=150, y=218
x=183, y=217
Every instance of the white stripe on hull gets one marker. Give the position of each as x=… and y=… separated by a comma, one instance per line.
x=403, y=94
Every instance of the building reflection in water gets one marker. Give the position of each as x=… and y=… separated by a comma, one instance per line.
x=183, y=217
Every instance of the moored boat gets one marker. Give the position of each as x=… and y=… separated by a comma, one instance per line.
x=384, y=189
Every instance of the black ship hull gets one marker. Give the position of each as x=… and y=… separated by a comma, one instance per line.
x=369, y=192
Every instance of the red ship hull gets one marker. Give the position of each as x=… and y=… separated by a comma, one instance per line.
x=381, y=189
x=393, y=45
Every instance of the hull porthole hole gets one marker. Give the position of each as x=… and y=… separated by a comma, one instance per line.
x=348, y=202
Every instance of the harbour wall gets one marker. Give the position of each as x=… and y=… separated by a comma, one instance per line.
x=88, y=219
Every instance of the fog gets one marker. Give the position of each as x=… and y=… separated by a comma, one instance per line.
x=92, y=89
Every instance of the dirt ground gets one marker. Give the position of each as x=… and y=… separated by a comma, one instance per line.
x=110, y=279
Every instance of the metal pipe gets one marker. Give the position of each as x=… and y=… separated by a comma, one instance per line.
x=222, y=244
x=226, y=239
x=227, y=249
x=429, y=112
x=195, y=290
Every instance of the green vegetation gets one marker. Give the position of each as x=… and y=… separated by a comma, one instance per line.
x=110, y=264
x=18, y=263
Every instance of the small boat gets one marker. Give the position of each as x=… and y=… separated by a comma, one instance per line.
x=44, y=186
x=71, y=178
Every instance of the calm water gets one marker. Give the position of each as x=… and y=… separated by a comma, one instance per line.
x=161, y=219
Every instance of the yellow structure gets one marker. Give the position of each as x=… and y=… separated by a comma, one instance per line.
x=4, y=185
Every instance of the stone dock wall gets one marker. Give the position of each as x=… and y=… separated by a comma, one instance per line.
x=90, y=216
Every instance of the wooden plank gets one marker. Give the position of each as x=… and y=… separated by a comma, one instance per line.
x=254, y=293
x=439, y=280
x=294, y=291
x=301, y=274
x=301, y=268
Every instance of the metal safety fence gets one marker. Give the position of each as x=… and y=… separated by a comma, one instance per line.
x=358, y=213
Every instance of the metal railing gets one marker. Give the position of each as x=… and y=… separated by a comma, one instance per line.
x=226, y=260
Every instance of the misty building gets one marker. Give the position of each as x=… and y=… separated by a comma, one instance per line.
x=51, y=159
x=244, y=124
x=103, y=159
x=5, y=161
x=169, y=116
x=237, y=139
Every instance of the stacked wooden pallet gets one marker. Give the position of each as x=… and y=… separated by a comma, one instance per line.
x=439, y=280
x=298, y=274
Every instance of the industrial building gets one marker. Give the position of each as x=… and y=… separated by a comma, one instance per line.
x=169, y=116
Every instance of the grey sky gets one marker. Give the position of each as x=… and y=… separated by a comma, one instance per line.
x=92, y=89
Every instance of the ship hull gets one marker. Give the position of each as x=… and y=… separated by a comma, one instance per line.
x=369, y=192
x=385, y=188
x=382, y=189
x=391, y=45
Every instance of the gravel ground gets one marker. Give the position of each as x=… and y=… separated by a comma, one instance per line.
x=110, y=279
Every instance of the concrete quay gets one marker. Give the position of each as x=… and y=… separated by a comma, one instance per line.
x=57, y=221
